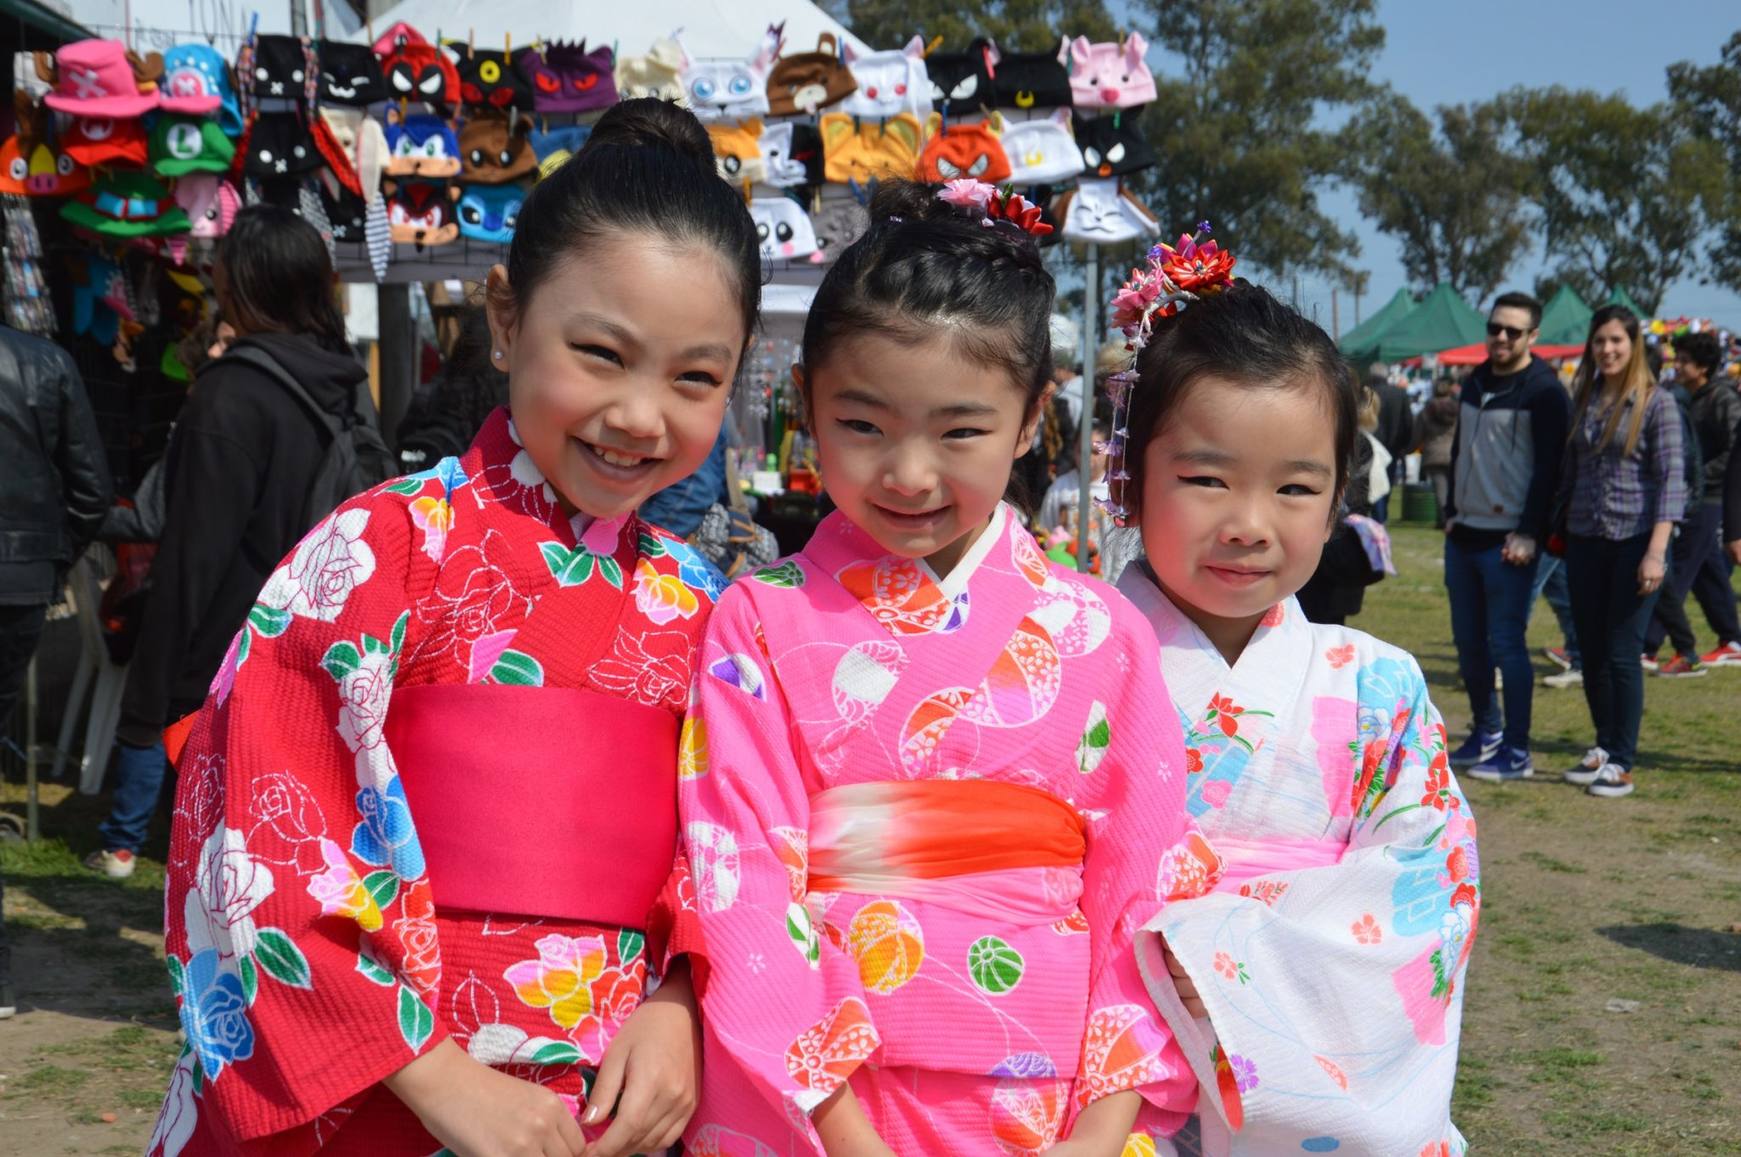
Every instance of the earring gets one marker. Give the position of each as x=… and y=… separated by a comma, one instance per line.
x=497, y=355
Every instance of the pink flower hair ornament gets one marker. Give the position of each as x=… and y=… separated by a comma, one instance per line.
x=1171, y=278
x=996, y=209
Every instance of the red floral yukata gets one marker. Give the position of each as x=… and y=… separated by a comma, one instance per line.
x=309, y=942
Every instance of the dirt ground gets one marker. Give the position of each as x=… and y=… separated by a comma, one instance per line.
x=1604, y=1003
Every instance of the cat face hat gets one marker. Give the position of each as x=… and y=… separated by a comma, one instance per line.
x=566, y=78
x=349, y=74
x=490, y=79
x=889, y=83
x=1110, y=75
x=729, y=90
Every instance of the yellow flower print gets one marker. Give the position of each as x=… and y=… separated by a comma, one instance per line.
x=561, y=978
x=692, y=749
x=662, y=597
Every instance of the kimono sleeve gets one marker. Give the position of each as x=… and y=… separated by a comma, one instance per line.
x=1335, y=992
x=783, y=1006
x=674, y=924
x=1139, y=846
x=301, y=936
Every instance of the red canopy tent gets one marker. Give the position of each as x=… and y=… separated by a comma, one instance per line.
x=1474, y=355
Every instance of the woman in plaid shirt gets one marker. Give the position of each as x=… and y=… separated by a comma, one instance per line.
x=1623, y=491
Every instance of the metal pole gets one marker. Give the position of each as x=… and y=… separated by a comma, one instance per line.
x=32, y=826
x=1085, y=428
x=398, y=345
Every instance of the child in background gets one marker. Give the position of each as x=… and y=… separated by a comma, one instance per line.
x=421, y=876
x=930, y=784
x=1061, y=508
x=1317, y=990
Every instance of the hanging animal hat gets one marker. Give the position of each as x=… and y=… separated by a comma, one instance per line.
x=182, y=144
x=963, y=150
x=1109, y=75
x=658, y=73
x=421, y=145
x=1042, y=151
x=31, y=165
x=347, y=213
x=866, y=151
x=738, y=150
x=1100, y=211
x=889, y=83
x=730, y=90
x=282, y=68
x=1112, y=147
x=1032, y=80
x=963, y=82
x=100, y=78
x=211, y=204
x=791, y=155
x=806, y=82
x=489, y=212
x=106, y=141
x=489, y=79
x=414, y=69
x=421, y=214
x=359, y=152
x=785, y=232
x=492, y=152
x=196, y=81
x=566, y=78
x=838, y=223
x=555, y=146
x=349, y=74
x=279, y=144
x=127, y=204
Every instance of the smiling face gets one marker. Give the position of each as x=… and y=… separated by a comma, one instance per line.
x=915, y=440
x=1611, y=346
x=615, y=393
x=1509, y=348
x=1236, y=503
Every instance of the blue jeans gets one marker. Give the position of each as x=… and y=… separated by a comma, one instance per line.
x=1698, y=565
x=1550, y=580
x=1611, y=618
x=1490, y=600
x=139, y=775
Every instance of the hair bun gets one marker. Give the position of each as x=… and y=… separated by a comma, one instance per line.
x=650, y=123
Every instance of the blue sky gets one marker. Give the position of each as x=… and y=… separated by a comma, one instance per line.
x=1454, y=51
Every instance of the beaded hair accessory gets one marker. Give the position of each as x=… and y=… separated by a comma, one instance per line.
x=997, y=210
x=1172, y=278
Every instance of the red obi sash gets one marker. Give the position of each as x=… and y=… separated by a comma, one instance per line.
x=539, y=801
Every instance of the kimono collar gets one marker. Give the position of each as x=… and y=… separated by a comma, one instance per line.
x=839, y=542
x=1191, y=662
x=498, y=465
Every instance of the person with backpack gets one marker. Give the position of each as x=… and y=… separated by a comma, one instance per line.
x=277, y=432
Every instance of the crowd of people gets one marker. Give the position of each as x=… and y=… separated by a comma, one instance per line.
x=499, y=810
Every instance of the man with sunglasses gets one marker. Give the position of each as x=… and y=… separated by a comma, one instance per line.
x=1511, y=432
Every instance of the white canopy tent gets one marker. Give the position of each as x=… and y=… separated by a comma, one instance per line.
x=706, y=27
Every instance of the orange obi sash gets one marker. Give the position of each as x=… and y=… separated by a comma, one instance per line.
x=976, y=845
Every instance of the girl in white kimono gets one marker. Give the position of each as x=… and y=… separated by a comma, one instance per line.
x=1317, y=990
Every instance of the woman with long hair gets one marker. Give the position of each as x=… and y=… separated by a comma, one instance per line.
x=1622, y=491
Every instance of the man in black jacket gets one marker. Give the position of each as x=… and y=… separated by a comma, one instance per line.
x=1395, y=431
x=54, y=491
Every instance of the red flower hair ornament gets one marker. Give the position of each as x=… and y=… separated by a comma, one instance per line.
x=1004, y=209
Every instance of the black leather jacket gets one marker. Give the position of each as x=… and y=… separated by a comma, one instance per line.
x=54, y=485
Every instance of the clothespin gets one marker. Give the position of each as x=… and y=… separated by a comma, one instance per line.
x=471, y=35
x=507, y=46
x=936, y=42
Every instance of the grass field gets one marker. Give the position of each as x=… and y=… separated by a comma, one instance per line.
x=1604, y=1003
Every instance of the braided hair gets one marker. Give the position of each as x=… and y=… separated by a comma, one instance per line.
x=926, y=267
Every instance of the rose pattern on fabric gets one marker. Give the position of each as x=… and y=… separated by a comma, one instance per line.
x=323, y=570
x=214, y=1013
x=233, y=884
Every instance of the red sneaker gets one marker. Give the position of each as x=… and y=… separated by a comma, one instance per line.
x=1681, y=667
x=1728, y=655
x=1648, y=662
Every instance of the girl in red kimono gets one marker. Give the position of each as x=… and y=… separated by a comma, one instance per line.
x=421, y=889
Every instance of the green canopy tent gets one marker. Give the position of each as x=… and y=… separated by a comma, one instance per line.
x=1361, y=342
x=1565, y=319
x=1442, y=321
x=1621, y=297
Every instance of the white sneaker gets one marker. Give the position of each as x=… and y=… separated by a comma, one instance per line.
x=1588, y=768
x=117, y=865
x=1612, y=782
x=1563, y=679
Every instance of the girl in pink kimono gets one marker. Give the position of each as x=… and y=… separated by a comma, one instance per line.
x=1317, y=989
x=929, y=784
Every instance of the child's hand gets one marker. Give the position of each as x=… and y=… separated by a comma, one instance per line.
x=845, y=1130
x=654, y=1062
x=1186, y=987
x=478, y=1112
x=1102, y=1129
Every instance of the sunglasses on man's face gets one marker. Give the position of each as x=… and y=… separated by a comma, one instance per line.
x=1510, y=332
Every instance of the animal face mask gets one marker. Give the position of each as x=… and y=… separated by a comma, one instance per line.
x=489, y=213
x=1112, y=149
x=420, y=214
x=489, y=79
x=1030, y=80
x=963, y=150
x=961, y=82
x=566, y=78
x=1099, y=211
x=1042, y=152
x=728, y=90
x=349, y=74
x=31, y=165
x=784, y=230
x=1110, y=76
x=280, y=68
x=492, y=154
x=870, y=150
x=414, y=70
x=890, y=83
x=421, y=146
x=807, y=81
x=658, y=74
